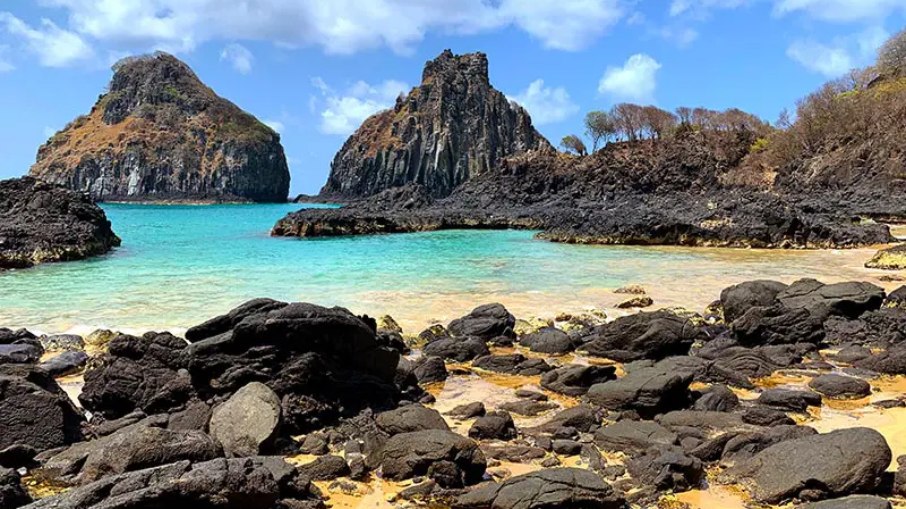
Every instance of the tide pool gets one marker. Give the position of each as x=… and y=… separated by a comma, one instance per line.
x=180, y=265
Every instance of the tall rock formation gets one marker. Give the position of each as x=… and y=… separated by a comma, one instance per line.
x=450, y=128
x=160, y=134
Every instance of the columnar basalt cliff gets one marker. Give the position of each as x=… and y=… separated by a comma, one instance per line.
x=160, y=134
x=450, y=128
x=41, y=222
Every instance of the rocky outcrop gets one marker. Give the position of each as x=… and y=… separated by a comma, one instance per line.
x=160, y=134
x=41, y=222
x=450, y=128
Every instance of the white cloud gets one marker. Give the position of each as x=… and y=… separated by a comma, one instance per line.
x=841, y=10
x=54, y=46
x=636, y=80
x=701, y=7
x=239, y=57
x=276, y=125
x=343, y=113
x=5, y=64
x=338, y=26
x=681, y=36
x=546, y=105
x=827, y=60
x=839, y=56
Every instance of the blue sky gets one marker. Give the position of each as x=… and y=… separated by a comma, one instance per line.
x=314, y=69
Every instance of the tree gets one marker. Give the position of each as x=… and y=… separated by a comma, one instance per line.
x=659, y=123
x=573, y=143
x=892, y=55
x=685, y=115
x=628, y=120
x=599, y=126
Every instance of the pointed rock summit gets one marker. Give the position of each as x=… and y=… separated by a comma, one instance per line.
x=160, y=134
x=450, y=128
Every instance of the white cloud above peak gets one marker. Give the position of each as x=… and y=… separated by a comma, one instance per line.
x=546, y=105
x=636, y=80
x=840, y=55
x=52, y=45
x=343, y=112
x=239, y=57
x=338, y=26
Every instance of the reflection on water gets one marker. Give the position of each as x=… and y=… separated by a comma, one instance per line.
x=180, y=265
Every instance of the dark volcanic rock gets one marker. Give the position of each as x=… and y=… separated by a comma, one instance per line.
x=452, y=127
x=12, y=494
x=736, y=300
x=634, y=437
x=835, y=464
x=450, y=459
x=323, y=364
x=457, y=349
x=132, y=448
x=574, y=380
x=248, y=422
x=240, y=483
x=496, y=425
x=839, y=386
x=649, y=391
x=560, y=488
x=851, y=502
x=789, y=400
x=642, y=336
x=64, y=364
x=41, y=222
x=34, y=411
x=485, y=322
x=548, y=340
x=159, y=133
x=512, y=364
x=410, y=418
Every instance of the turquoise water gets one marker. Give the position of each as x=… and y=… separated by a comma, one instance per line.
x=179, y=265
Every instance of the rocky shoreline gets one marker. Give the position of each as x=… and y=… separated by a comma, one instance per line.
x=42, y=223
x=296, y=405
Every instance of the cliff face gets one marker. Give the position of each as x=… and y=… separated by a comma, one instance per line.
x=450, y=128
x=41, y=222
x=160, y=134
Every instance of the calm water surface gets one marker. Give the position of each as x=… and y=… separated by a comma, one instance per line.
x=182, y=264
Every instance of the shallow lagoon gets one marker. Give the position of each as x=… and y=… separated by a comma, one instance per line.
x=180, y=265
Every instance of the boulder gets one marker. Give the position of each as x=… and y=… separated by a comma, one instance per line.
x=484, y=322
x=65, y=342
x=248, y=422
x=666, y=468
x=325, y=468
x=789, y=400
x=835, y=464
x=134, y=447
x=849, y=299
x=574, y=380
x=528, y=407
x=582, y=418
x=468, y=411
x=736, y=300
x=649, y=391
x=458, y=349
x=238, y=483
x=642, y=336
x=430, y=369
x=840, y=386
x=138, y=373
x=12, y=494
x=851, y=502
x=410, y=418
x=66, y=363
x=512, y=364
x=497, y=425
x=559, y=488
x=744, y=445
x=717, y=398
x=634, y=437
x=34, y=410
x=548, y=340
x=450, y=459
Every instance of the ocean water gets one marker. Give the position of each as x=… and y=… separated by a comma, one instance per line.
x=180, y=265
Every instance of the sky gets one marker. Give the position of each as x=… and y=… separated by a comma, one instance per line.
x=315, y=69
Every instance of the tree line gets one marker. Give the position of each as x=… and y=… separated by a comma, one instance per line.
x=633, y=122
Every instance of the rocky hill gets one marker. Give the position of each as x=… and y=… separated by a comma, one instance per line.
x=160, y=134
x=41, y=222
x=452, y=127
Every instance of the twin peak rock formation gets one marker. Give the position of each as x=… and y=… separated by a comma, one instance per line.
x=160, y=134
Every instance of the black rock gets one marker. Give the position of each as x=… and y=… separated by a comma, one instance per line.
x=459, y=349
x=789, y=400
x=649, y=391
x=12, y=494
x=497, y=425
x=409, y=418
x=839, y=386
x=736, y=300
x=574, y=380
x=850, y=502
x=512, y=364
x=468, y=411
x=450, y=459
x=560, y=488
x=653, y=335
x=34, y=410
x=66, y=363
x=634, y=437
x=548, y=340
x=484, y=322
